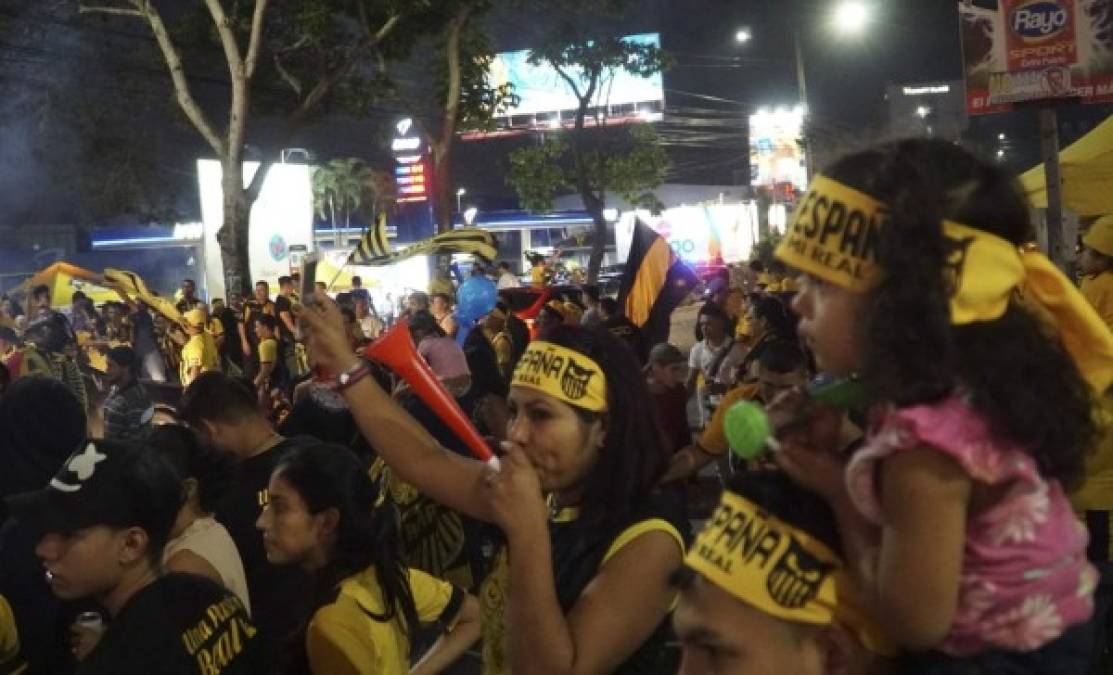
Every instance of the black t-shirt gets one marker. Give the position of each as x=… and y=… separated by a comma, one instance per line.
x=484, y=366
x=280, y=596
x=181, y=624
x=283, y=304
x=231, y=349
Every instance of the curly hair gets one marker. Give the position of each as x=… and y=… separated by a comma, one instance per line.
x=1020, y=379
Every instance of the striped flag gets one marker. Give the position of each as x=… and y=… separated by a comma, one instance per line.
x=654, y=283
x=373, y=250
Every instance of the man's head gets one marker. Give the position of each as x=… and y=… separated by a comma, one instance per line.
x=265, y=326
x=783, y=603
x=321, y=288
x=285, y=285
x=224, y=412
x=40, y=297
x=1097, y=247
x=262, y=291
x=103, y=520
x=8, y=339
x=189, y=288
x=194, y=321
x=495, y=321
x=122, y=366
x=591, y=296
x=667, y=365
x=357, y=282
x=417, y=302
x=608, y=308
x=77, y=298
x=235, y=300
x=504, y=267
x=713, y=322
x=780, y=366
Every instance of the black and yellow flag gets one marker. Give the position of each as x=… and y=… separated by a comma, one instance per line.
x=654, y=283
x=373, y=250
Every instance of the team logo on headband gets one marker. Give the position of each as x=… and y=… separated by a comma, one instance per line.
x=796, y=576
x=575, y=380
x=955, y=250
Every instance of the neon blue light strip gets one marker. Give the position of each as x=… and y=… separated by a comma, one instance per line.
x=142, y=240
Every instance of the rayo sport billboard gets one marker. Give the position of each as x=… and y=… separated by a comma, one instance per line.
x=1017, y=51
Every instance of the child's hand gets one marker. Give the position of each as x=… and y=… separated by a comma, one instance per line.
x=810, y=448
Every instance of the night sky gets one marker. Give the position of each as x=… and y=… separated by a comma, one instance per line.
x=710, y=92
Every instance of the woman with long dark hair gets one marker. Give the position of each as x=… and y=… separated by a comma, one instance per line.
x=581, y=584
x=324, y=515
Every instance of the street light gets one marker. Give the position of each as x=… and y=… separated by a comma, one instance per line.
x=743, y=35
x=851, y=17
x=923, y=111
x=459, y=193
x=1001, y=136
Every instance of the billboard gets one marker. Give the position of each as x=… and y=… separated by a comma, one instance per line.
x=776, y=149
x=544, y=94
x=715, y=234
x=281, y=218
x=1016, y=51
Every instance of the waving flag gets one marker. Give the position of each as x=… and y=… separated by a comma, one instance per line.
x=654, y=283
x=134, y=286
x=373, y=250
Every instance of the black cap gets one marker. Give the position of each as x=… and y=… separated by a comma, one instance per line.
x=105, y=483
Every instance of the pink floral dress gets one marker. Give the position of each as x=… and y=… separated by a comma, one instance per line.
x=1025, y=578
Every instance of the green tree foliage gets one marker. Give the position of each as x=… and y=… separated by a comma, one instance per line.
x=348, y=187
x=599, y=160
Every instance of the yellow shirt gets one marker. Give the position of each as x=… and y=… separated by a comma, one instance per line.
x=1098, y=291
x=10, y=660
x=215, y=327
x=537, y=275
x=268, y=351
x=200, y=351
x=713, y=440
x=343, y=638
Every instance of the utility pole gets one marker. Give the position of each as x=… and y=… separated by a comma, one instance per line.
x=1049, y=146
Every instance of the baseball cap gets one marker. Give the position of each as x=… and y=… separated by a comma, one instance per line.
x=109, y=483
x=195, y=317
x=665, y=354
x=1100, y=236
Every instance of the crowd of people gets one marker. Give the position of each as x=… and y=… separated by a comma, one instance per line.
x=301, y=508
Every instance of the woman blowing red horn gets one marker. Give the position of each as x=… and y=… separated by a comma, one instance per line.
x=589, y=548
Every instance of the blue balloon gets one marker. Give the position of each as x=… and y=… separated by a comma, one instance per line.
x=475, y=298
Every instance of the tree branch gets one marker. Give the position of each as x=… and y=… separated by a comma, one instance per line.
x=173, y=60
x=452, y=102
x=228, y=37
x=116, y=11
x=254, y=44
x=287, y=76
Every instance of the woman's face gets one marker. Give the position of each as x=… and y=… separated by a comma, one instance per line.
x=832, y=321
x=291, y=534
x=560, y=445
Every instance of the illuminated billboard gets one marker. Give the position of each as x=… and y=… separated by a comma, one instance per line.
x=281, y=221
x=777, y=157
x=547, y=100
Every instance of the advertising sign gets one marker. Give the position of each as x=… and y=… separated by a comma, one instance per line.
x=776, y=150
x=281, y=218
x=1017, y=51
x=411, y=168
x=544, y=94
x=716, y=234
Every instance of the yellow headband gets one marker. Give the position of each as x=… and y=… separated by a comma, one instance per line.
x=563, y=374
x=835, y=235
x=779, y=570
